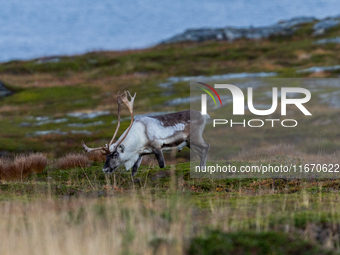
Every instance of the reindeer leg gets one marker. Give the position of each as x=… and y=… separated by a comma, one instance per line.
x=136, y=166
x=160, y=158
x=201, y=150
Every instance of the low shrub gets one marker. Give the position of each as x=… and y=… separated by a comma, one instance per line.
x=73, y=160
x=21, y=166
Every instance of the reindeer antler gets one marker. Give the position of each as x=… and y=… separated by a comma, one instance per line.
x=119, y=102
x=105, y=149
x=121, y=99
x=129, y=104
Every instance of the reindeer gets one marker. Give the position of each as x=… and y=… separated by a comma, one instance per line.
x=152, y=135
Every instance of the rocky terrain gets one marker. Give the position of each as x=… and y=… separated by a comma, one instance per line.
x=282, y=28
x=4, y=91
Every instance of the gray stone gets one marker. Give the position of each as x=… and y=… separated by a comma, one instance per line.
x=25, y=124
x=81, y=132
x=183, y=100
x=91, y=115
x=320, y=84
x=282, y=28
x=43, y=121
x=81, y=125
x=198, y=35
x=47, y=132
x=322, y=26
x=296, y=21
x=329, y=40
x=58, y=132
x=173, y=80
x=47, y=60
x=316, y=69
x=4, y=91
x=42, y=118
x=332, y=99
x=229, y=33
x=269, y=94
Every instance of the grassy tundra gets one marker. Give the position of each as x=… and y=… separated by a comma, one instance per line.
x=54, y=199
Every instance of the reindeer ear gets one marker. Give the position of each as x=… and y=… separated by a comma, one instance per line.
x=121, y=148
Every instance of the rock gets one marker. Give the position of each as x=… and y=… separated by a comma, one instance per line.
x=323, y=25
x=4, y=91
x=296, y=21
x=329, y=40
x=25, y=124
x=47, y=60
x=229, y=34
x=316, y=69
x=58, y=132
x=332, y=99
x=172, y=80
x=91, y=115
x=47, y=132
x=179, y=100
x=81, y=125
x=198, y=35
x=282, y=28
x=256, y=33
x=43, y=121
x=81, y=132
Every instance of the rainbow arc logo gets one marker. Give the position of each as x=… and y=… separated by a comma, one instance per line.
x=209, y=93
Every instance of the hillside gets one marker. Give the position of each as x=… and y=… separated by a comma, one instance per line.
x=53, y=95
x=56, y=204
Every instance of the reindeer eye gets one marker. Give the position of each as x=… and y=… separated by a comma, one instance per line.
x=115, y=154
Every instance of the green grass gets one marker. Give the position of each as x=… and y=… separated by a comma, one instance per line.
x=217, y=242
x=56, y=98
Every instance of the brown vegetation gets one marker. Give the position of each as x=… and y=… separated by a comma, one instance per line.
x=21, y=166
x=96, y=156
x=73, y=160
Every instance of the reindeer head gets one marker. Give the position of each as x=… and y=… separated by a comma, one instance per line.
x=114, y=159
x=115, y=152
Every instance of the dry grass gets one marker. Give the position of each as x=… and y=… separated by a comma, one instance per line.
x=267, y=152
x=89, y=227
x=73, y=160
x=96, y=156
x=21, y=166
x=149, y=225
x=285, y=153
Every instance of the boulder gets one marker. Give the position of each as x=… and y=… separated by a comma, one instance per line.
x=282, y=28
x=317, y=69
x=329, y=40
x=296, y=21
x=322, y=26
x=4, y=91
